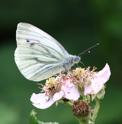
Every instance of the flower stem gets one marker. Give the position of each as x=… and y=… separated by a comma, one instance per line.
x=96, y=109
x=83, y=121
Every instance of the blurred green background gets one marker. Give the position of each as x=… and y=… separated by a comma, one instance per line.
x=77, y=24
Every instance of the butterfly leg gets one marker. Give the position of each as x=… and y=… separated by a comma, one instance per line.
x=67, y=67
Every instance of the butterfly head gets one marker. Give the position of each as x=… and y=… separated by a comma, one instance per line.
x=76, y=59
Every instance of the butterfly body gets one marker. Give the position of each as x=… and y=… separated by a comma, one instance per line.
x=38, y=55
x=69, y=62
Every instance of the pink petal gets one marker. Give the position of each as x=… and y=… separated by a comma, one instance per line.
x=98, y=81
x=70, y=91
x=57, y=96
x=41, y=101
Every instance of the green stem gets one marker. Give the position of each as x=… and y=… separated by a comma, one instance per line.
x=95, y=112
x=83, y=121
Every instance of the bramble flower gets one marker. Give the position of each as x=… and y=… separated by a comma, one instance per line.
x=76, y=83
x=54, y=90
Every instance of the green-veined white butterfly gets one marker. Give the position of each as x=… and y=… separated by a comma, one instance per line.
x=38, y=55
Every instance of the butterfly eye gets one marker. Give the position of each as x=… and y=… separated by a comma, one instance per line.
x=77, y=59
x=27, y=41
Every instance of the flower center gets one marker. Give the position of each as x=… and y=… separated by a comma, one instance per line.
x=51, y=86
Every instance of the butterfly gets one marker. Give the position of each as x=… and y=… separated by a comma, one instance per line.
x=38, y=55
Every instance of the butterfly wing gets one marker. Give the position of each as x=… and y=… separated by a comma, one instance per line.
x=38, y=55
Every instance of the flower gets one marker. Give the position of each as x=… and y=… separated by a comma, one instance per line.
x=54, y=90
x=98, y=80
x=70, y=86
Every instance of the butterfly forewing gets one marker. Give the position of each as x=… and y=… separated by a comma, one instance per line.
x=38, y=55
x=27, y=31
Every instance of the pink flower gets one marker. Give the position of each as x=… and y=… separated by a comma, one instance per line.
x=68, y=85
x=66, y=90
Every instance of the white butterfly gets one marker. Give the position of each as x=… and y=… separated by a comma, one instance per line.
x=38, y=55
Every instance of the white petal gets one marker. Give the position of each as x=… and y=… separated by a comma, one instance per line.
x=41, y=101
x=102, y=76
x=98, y=81
x=94, y=88
x=71, y=91
x=57, y=96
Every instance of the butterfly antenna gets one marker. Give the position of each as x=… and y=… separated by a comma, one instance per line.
x=88, y=50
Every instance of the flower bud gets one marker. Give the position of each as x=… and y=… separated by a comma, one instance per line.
x=81, y=109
